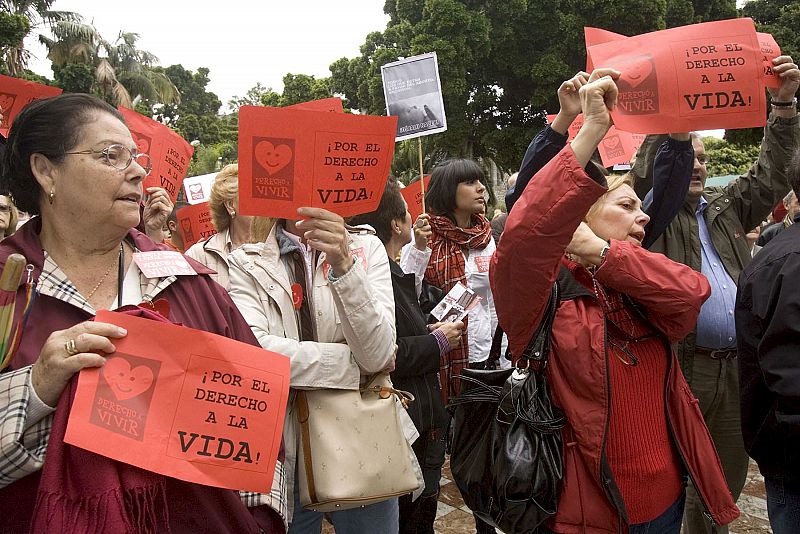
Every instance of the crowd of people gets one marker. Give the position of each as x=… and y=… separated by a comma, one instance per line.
x=673, y=345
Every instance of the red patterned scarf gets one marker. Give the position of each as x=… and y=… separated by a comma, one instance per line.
x=446, y=268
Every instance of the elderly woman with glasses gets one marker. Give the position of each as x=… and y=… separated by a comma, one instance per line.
x=634, y=431
x=71, y=161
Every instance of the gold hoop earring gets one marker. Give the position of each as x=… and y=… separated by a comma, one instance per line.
x=51, y=196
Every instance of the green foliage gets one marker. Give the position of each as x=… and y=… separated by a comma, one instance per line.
x=74, y=77
x=13, y=29
x=500, y=62
x=726, y=158
x=195, y=99
x=211, y=158
x=781, y=18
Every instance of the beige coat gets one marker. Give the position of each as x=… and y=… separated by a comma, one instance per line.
x=354, y=320
x=213, y=253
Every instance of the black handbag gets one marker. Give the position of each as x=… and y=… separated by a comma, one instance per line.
x=505, y=443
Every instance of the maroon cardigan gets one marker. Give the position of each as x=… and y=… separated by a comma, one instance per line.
x=196, y=302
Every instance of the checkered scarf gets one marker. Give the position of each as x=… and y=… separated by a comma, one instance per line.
x=446, y=268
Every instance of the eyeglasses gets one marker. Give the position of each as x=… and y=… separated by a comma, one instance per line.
x=120, y=157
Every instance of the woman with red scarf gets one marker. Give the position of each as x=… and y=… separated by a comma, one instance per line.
x=461, y=249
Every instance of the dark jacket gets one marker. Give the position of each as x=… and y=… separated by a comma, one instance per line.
x=196, y=302
x=732, y=211
x=526, y=263
x=768, y=338
x=768, y=233
x=672, y=172
x=417, y=364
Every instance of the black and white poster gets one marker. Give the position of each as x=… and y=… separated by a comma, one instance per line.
x=414, y=95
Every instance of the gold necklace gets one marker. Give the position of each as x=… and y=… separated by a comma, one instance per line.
x=103, y=278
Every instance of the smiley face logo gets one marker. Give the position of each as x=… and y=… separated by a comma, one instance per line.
x=125, y=381
x=273, y=157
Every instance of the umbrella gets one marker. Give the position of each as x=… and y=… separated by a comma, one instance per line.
x=9, y=284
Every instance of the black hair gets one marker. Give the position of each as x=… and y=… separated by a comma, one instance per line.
x=173, y=215
x=440, y=198
x=391, y=207
x=794, y=173
x=51, y=126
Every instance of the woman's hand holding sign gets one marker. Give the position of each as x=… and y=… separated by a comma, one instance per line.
x=598, y=98
x=570, y=102
x=324, y=231
x=68, y=351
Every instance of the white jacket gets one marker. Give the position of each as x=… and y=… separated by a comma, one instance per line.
x=213, y=253
x=353, y=316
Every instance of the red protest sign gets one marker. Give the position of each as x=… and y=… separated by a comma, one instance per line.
x=617, y=147
x=769, y=51
x=696, y=77
x=596, y=36
x=289, y=158
x=184, y=403
x=195, y=224
x=169, y=151
x=326, y=104
x=413, y=196
x=15, y=94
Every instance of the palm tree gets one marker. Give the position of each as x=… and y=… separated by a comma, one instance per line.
x=121, y=69
x=38, y=14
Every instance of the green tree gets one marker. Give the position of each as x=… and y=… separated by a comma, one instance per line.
x=726, y=158
x=17, y=19
x=255, y=96
x=195, y=98
x=120, y=68
x=781, y=18
x=500, y=61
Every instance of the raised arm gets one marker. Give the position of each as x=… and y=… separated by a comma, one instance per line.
x=552, y=139
x=757, y=192
x=672, y=172
x=541, y=226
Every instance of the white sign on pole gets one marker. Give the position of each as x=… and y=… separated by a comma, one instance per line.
x=413, y=94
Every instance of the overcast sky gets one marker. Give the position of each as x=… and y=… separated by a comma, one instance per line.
x=241, y=42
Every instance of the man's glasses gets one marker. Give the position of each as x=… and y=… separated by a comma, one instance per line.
x=120, y=157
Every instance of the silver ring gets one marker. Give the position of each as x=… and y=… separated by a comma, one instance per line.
x=71, y=347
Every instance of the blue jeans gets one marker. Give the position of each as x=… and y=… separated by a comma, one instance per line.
x=667, y=523
x=783, y=505
x=379, y=518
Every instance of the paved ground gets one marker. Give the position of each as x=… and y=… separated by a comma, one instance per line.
x=453, y=517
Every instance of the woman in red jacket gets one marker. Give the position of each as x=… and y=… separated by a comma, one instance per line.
x=634, y=429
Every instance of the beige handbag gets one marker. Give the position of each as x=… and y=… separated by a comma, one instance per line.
x=353, y=450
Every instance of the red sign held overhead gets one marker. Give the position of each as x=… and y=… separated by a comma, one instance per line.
x=333, y=104
x=15, y=94
x=169, y=152
x=290, y=158
x=697, y=77
x=195, y=224
x=184, y=403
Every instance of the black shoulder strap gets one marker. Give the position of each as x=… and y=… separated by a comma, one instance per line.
x=539, y=346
